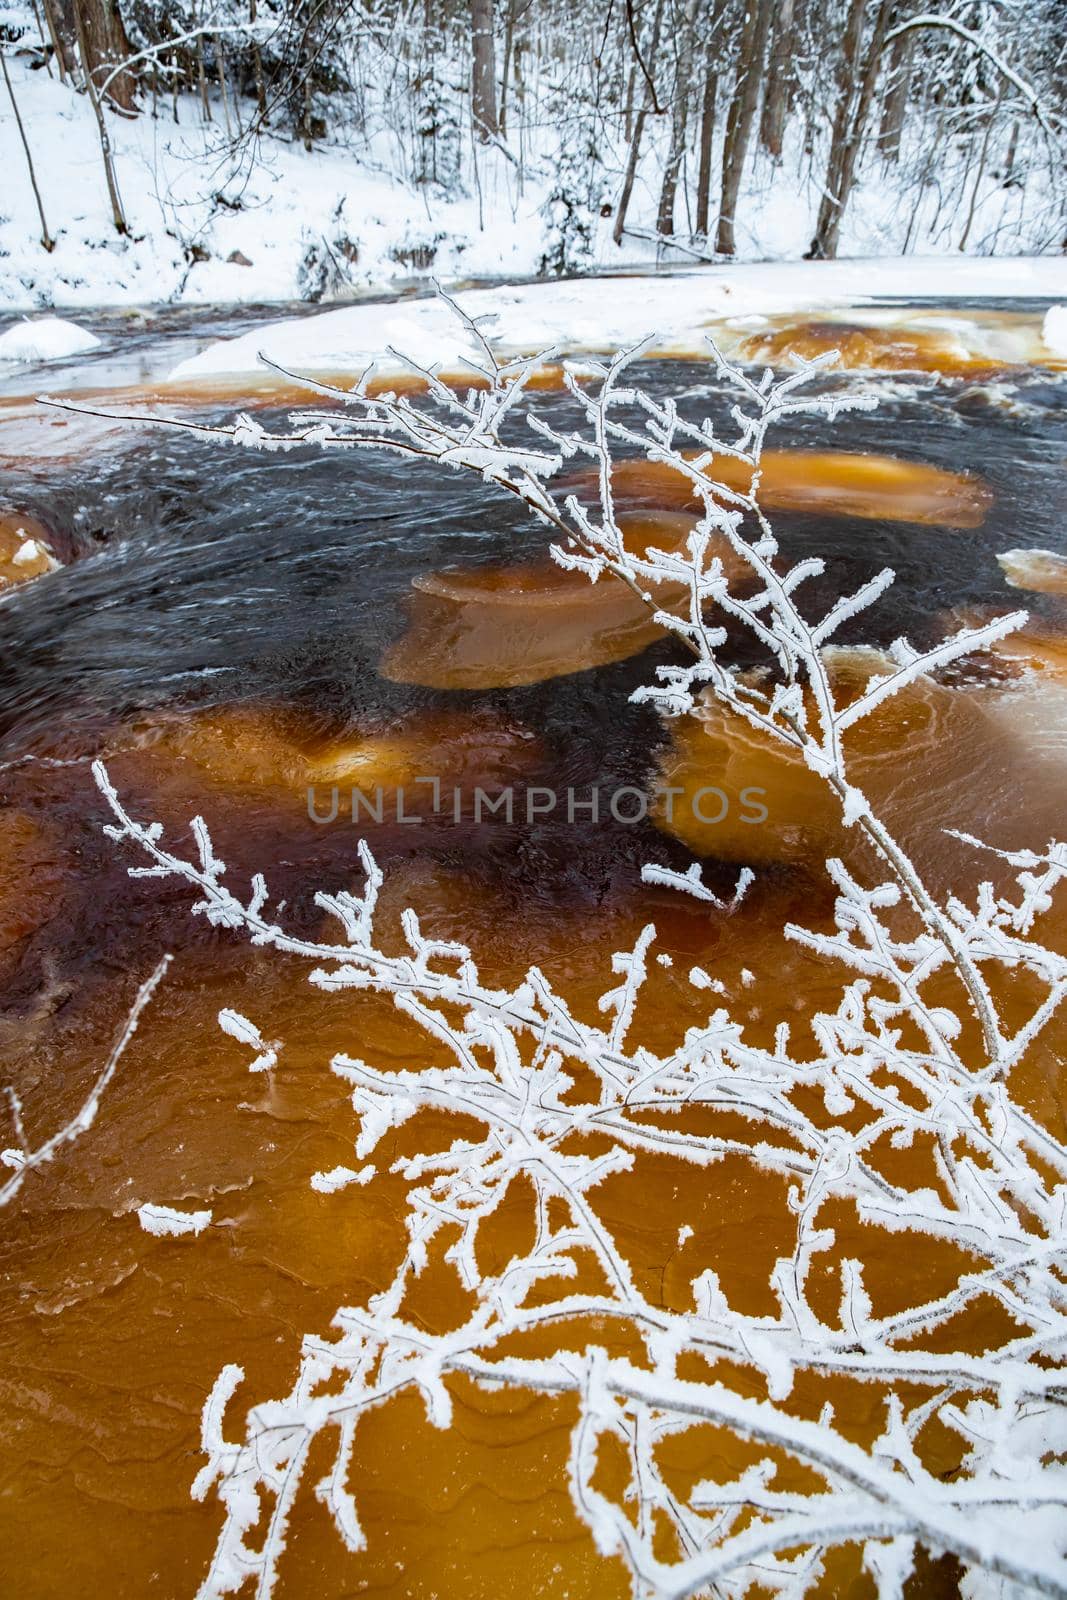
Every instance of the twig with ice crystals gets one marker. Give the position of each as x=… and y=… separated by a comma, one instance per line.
x=23, y=1158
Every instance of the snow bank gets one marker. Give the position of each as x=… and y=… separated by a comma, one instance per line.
x=47, y=339
x=297, y=225
x=165, y=1222
x=1054, y=330
x=607, y=313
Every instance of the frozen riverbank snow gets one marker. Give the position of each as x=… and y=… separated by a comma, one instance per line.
x=46, y=339
x=608, y=313
x=1054, y=330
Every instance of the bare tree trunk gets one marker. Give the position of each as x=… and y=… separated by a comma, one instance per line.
x=201, y=78
x=505, y=72
x=102, y=44
x=779, y=78
x=46, y=238
x=257, y=62
x=895, y=104
x=483, y=69
x=990, y=120
x=679, y=121
x=1009, y=160
x=707, y=134
x=220, y=63
x=639, y=128
x=850, y=124
x=741, y=116
x=118, y=216
x=64, y=35
x=305, y=112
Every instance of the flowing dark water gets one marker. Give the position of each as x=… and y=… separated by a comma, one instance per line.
x=206, y=574
x=200, y=575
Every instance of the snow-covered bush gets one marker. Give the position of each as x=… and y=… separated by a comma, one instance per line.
x=577, y=187
x=917, y=1056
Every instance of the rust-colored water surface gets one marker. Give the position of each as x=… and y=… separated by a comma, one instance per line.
x=495, y=627
x=832, y=482
x=975, y=344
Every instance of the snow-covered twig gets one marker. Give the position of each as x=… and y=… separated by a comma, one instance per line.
x=22, y=1157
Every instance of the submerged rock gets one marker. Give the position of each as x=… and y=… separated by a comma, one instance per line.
x=928, y=759
x=496, y=627
x=259, y=752
x=882, y=488
x=1042, y=570
x=24, y=549
x=868, y=347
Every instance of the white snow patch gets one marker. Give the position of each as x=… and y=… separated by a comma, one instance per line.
x=44, y=339
x=165, y=1222
x=340, y=1178
x=1054, y=330
x=590, y=314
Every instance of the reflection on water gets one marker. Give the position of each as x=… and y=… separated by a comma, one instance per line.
x=218, y=634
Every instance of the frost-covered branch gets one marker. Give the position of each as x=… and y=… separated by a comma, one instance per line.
x=22, y=1157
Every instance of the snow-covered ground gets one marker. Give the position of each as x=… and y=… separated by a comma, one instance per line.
x=297, y=225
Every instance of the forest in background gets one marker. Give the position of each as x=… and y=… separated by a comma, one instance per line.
x=599, y=130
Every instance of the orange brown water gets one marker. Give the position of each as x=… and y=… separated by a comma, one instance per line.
x=982, y=344
x=32, y=432
x=263, y=756
x=484, y=628
x=832, y=482
x=112, y=1337
x=928, y=759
